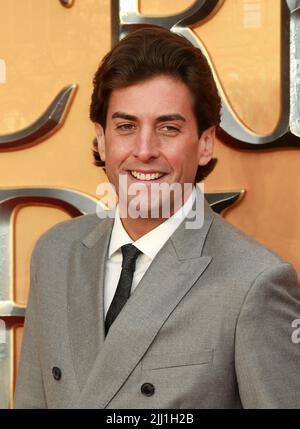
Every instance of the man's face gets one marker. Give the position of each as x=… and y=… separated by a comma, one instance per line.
x=151, y=134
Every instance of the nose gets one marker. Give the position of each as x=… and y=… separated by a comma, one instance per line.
x=146, y=145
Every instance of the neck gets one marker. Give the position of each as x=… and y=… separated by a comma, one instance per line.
x=136, y=228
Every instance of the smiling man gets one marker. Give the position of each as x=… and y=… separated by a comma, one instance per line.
x=144, y=311
x=153, y=143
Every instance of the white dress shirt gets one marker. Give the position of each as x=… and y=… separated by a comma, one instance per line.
x=149, y=244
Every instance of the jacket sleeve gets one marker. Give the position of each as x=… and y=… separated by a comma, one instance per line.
x=29, y=391
x=267, y=357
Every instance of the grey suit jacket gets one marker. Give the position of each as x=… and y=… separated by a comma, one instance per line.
x=209, y=325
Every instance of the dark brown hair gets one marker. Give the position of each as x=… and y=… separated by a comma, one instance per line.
x=150, y=52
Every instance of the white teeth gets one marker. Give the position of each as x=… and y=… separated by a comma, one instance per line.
x=142, y=176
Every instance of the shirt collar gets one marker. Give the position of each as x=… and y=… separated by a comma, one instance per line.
x=150, y=243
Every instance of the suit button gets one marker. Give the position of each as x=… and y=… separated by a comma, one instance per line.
x=147, y=389
x=56, y=372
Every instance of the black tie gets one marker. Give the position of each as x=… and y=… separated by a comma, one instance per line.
x=130, y=254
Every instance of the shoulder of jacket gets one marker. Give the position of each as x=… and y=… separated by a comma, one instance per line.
x=66, y=232
x=231, y=243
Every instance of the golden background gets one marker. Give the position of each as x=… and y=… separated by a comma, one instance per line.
x=46, y=46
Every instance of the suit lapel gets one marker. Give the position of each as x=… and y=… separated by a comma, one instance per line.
x=85, y=298
x=174, y=271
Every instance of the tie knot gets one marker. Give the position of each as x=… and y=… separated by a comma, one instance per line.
x=130, y=253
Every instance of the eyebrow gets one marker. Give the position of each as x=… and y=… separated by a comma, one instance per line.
x=122, y=115
x=171, y=117
x=162, y=118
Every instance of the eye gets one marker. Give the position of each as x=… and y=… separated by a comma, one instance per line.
x=170, y=129
x=125, y=128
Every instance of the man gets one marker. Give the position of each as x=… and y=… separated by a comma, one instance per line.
x=208, y=323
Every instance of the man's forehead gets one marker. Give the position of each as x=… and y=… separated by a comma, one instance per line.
x=156, y=97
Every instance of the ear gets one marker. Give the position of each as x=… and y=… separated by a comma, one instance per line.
x=206, y=145
x=101, y=140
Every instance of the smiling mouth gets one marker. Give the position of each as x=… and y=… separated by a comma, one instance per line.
x=146, y=176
